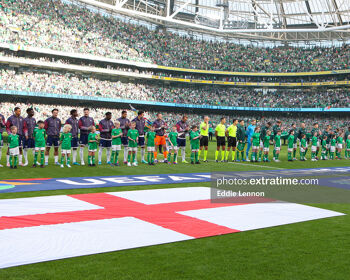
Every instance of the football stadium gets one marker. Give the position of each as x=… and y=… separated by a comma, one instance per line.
x=174, y=139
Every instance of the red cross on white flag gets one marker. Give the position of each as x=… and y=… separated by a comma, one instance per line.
x=55, y=227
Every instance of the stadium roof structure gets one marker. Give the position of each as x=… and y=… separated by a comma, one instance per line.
x=273, y=20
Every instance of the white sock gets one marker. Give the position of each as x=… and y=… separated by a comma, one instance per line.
x=143, y=154
x=183, y=153
x=46, y=159
x=125, y=153
x=100, y=154
x=25, y=154
x=8, y=159
x=81, y=152
x=108, y=154
x=20, y=159
x=0, y=154
x=136, y=155
x=75, y=155
x=56, y=158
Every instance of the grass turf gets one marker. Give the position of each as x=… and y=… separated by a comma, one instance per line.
x=317, y=249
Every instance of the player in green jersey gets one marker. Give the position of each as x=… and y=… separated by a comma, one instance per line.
x=324, y=148
x=13, y=140
x=347, y=148
x=39, y=135
x=150, y=142
x=333, y=146
x=66, y=144
x=117, y=134
x=339, y=144
x=92, y=145
x=133, y=137
x=314, y=146
x=241, y=134
x=172, y=139
x=194, y=140
x=303, y=146
x=267, y=146
x=263, y=130
x=291, y=144
x=255, y=144
x=277, y=146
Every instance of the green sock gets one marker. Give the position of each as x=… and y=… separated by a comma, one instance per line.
x=62, y=159
x=133, y=157
x=116, y=157
x=42, y=158
x=11, y=160
x=196, y=156
x=169, y=157
x=260, y=154
x=113, y=156
x=93, y=159
x=216, y=154
x=192, y=157
x=317, y=151
x=226, y=155
x=89, y=160
x=35, y=157
x=274, y=153
x=294, y=153
x=149, y=157
x=68, y=160
x=152, y=157
x=289, y=155
x=242, y=155
x=175, y=157
x=205, y=154
x=238, y=156
x=233, y=155
x=277, y=155
x=16, y=160
x=222, y=155
x=199, y=153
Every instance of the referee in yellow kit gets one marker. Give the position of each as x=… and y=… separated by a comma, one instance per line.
x=231, y=134
x=220, y=133
x=204, y=141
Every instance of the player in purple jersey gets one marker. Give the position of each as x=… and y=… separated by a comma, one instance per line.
x=74, y=123
x=140, y=127
x=53, y=129
x=29, y=140
x=124, y=125
x=84, y=123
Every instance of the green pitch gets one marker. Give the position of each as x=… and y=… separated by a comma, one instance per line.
x=317, y=249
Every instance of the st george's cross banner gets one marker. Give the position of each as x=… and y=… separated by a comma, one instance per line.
x=49, y=228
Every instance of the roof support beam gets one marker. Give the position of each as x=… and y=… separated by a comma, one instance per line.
x=336, y=10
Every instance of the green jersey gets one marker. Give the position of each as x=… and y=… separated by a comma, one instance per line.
x=150, y=136
x=301, y=132
x=324, y=145
x=66, y=141
x=333, y=142
x=290, y=140
x=117, y=140
x=266, y=141
x=278, y=141
x=92, y=137
x=133, y=134
x=347, y=143
x=240, y=133
x=314, y=141
x=13, y=141
x=303, y=142
x=173, y=138
x=340, y=140
x=39, y=137
x=263, y=131
x=256, y=139
x=194, y=142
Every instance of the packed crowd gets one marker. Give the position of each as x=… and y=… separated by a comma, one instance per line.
x=67, y=27
x=43, y=111
x=69, y=84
